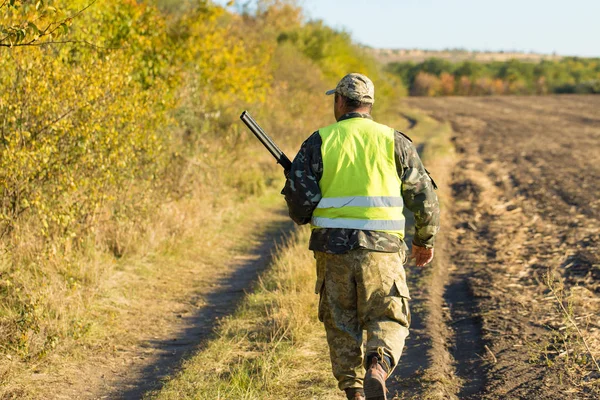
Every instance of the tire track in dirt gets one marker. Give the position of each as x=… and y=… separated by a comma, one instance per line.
x=463, y=348
x=406, y=378
x=426, y=369
x=485, y=224
x=468, y=347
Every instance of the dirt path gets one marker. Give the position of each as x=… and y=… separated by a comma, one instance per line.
x=176, y=325
x=407, y=375
x=525, y=209
x=163, y=355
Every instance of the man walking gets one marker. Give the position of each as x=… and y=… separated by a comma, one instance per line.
x=351, y=180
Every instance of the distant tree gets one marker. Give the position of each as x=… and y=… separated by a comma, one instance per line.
x=469, y=69
x=564, y=88
x=464, y=86
x=581, y=70
x=487, y=86
x=467, y=78
x=541, y=86
x=498, y=86
x=483, y=86
x=519, y=87
x=515, y=70
x=447, y=84
x=589, y=87
x=436, y=66
x=426, y=85
x=555, y=74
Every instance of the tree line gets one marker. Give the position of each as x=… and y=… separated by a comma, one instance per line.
x=438, y=77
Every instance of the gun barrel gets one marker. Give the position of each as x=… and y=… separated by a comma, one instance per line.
x=266, y=140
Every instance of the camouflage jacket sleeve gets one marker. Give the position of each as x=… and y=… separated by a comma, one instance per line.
x=417, y=191
x=301, y=191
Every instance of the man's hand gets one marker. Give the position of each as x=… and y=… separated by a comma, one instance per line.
x=421, y=255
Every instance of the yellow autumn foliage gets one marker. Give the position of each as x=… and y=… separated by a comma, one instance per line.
x=135, y=108
x=25, y=22
x=78, y=123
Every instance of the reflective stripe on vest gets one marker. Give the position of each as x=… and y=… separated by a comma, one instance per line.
x=361, y=201
x=360, y=186
x=362, y=224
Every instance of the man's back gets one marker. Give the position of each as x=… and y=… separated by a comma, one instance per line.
x=359, y=185
x=303, y=194
x=351, y=180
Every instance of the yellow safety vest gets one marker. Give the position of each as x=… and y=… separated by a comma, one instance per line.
x=360, y=186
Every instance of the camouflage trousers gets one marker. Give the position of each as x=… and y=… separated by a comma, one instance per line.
x=360, y=291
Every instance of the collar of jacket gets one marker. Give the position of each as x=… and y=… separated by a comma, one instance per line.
x=354, y=115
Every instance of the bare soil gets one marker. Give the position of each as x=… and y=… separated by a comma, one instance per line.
x=525, y=235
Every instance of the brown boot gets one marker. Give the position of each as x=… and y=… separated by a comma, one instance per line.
x=375, y=381
x=355, y=394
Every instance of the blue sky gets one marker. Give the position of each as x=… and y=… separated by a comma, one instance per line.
x=568, y=27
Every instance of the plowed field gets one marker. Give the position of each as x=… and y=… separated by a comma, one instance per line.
x=524, y=243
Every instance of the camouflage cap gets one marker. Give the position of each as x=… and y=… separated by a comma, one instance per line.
x=356, y=87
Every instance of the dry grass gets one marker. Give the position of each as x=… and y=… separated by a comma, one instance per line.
x=167, y=276
x=575, y=342
x=272, y=347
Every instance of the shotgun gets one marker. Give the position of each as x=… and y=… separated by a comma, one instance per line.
x=266, y=141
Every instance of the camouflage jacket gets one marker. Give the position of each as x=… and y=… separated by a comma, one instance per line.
x=302, y=194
